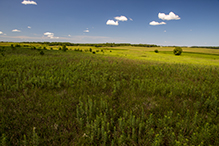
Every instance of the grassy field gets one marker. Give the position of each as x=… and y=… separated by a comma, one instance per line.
x=117, y=96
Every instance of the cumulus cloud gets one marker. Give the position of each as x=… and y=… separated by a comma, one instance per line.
x=29, y=27
x=156, y=23
x=171, y=16
x=112, y=22
x=1, y=32
x=86, y=30
x=16, y=30
x=130, y=19
x=69, y=35
x=28, y=2
x=121, y=18
x=50, y=35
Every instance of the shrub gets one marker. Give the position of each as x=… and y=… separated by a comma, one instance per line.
x=156, y=51
x=41, y=53
x=44, y=48
x=60, y=48
x=51, y=48
x=90, y=50
x=94, y=52
x=177, y=51
x=64, y=48
x=2, y=51
x=12, y=46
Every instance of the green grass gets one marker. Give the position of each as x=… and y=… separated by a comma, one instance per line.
x=110, y=98
x=165, y=55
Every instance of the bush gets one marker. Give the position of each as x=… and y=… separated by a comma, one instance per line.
x=90, y=50
x=12, y=46
x=44, y=48
x=156, y=51
x=64, y=48
x=94, y=52
x=177, y=51
x=2, y=51
x=41, y=53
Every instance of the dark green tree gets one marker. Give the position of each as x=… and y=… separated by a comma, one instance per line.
x=177, y=51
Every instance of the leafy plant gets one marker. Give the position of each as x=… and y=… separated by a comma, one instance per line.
x=156, y=51
x=41, y=53
x=64, y=48
x=177, y=51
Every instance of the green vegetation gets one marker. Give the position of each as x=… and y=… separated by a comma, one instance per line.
x=110, y=98
x=156, y=51
x=64, y=48
x=41, y=53
x=177, y=51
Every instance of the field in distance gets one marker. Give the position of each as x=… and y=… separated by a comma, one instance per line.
x=201, y=56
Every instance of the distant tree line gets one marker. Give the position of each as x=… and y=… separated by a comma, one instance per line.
x=89, y=44
x=208, y=47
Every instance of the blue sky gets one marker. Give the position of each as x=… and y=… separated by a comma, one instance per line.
x=191, y=22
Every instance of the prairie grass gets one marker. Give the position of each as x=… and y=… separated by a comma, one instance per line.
x=107, y=98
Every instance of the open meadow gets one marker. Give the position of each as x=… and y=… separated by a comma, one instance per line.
x=125, y=95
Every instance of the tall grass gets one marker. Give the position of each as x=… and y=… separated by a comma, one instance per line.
x=77, y=98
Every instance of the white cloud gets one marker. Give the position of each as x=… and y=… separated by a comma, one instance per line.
x=121, y=18
x=16, y=30
x=130, y=19
x=86, y=30
x=29, y=27
x=171, y=16
x=156, y=23
x=69, y=35
x=164, y=31
x=50, y=35
x=112, y=22
x=1, y=32
x=28, y=2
